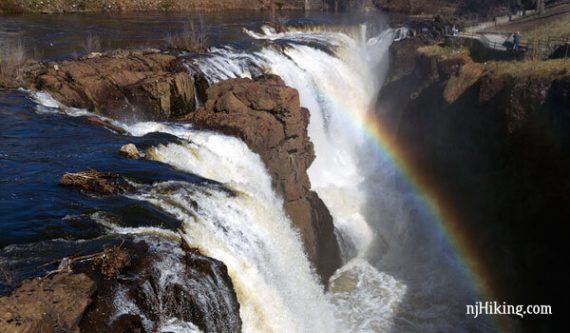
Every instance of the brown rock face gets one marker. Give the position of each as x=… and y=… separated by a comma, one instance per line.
x=96, y=182
x=136, y=85
x=206, y=298
x=80, y=296
x=264, y=113
x=267, y=115
x=47, y=305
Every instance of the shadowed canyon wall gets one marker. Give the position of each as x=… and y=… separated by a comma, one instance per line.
x=497, y=142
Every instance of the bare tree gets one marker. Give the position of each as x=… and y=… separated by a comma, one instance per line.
x=540, y=6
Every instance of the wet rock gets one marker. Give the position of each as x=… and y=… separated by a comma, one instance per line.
x=104, y=123
x=113, y=261
x=263, y=112
x=267, y=115
x=135, y=85
x=130, y=151
x=92, y=181
x=127, y=323
x=81, y=295
x=202, y=86
x=201, y=293
x=53, y=304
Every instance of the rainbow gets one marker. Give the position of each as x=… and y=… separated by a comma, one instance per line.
x=442, y=214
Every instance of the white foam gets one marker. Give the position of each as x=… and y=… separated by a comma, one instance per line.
x=402, y=278
x=338, y=78
x=111, y=225
x=365, y=299
x=47, y=104
x=243, y=226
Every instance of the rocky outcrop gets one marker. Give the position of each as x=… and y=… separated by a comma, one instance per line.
x=50, y=305
x=134, y=85
x=267, y=116
x=130, y=151
x=263, y=112
x=80, y=296
x=92, y=181
x=199, y=291
x=495, y=138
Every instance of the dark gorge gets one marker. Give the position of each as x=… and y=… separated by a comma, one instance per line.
x=304, y=172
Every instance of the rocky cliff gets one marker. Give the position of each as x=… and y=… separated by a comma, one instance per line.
x=267, y=116
x=495, y=137
x=263, y=112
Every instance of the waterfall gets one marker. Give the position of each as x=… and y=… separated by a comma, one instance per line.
x=397, y=274
x=240, y=221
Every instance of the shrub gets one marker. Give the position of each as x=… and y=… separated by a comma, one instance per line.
x=92, y=43
x=190, y=39
x=12, y=59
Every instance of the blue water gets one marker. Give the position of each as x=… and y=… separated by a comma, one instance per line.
x=55, y=37
x=36, y=149
x=42, y=221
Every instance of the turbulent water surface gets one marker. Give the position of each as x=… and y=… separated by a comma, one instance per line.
x=398, y=274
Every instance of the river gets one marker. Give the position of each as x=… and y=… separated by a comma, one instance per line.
x=399, y=275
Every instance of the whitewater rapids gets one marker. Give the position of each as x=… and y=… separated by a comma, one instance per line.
x=398, y=275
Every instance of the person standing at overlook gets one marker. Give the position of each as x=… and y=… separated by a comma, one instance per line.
x=516, y=41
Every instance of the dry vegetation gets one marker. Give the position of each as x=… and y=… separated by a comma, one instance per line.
x=555, y=28
x=13, y=56
x=551, y=69
x=439, y=51
x=191, y=39
x=92, y=43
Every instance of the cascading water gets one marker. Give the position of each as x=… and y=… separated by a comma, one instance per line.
x=242, y=224
x=397, y=275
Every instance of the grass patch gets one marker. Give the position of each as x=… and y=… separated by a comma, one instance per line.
x=551, y=69
x=191, y=39
x=440, y=51
x=469, y=74
x=556, y=28
x=548, y=69
x=540, y=69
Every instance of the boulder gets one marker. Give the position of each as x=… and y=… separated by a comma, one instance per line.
x=263, y=112
x=130, y=151
x=80, y=296
x=206, y=297
x=92, y=181
x=48, y=305
x=97, y=121
x=267, y=116
x=134, y=85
